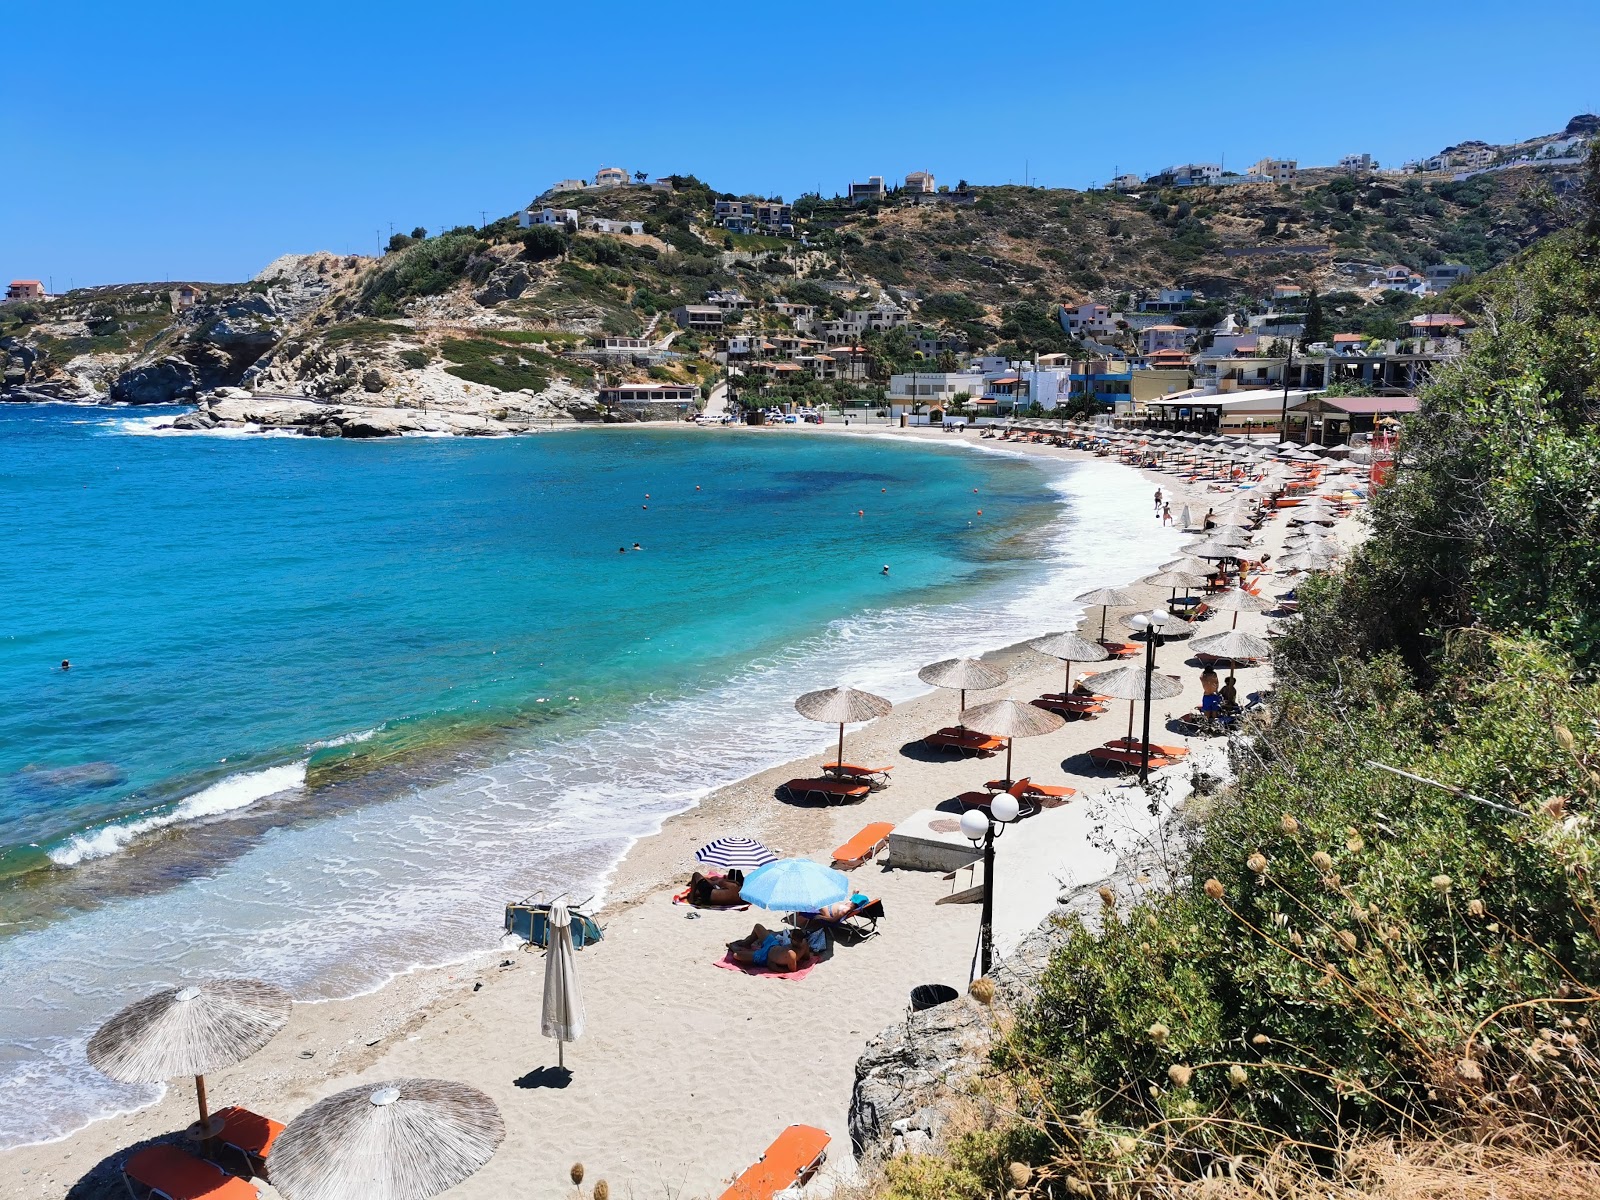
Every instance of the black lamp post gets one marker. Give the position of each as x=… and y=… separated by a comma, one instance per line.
x=1151, y=623
x=981, y=828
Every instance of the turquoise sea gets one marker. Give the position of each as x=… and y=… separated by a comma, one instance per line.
x=330, y=704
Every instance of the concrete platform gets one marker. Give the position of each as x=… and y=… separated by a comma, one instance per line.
x=930, y=840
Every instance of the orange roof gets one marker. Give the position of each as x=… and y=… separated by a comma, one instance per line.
x=1349, y=337
x=1437, y=320
x=1006, y=379
x=1165, y=328
x=26, y=283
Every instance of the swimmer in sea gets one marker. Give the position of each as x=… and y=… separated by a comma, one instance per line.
x=622, y=549
x=885, y=568
x=67, y=666
x=636, y=546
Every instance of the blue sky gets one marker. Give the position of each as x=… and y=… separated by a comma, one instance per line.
x=198, y=141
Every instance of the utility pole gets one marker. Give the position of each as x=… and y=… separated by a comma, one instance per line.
x=483, y=218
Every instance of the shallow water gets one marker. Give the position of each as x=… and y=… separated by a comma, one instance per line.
x=332, y=704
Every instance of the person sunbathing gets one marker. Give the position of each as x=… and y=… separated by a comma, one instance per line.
x=775, y=949
x=713, y=889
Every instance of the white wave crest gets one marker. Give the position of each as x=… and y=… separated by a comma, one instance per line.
x=346, y=739
x=226, y=795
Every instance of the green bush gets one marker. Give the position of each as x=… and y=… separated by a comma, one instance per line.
x=420, y=269
x=543, y=242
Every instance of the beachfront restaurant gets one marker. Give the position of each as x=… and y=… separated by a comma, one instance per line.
x=1330, y=420
x=1220, y=412
x=639, y=395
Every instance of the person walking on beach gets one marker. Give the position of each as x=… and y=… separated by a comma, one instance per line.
x=1166, y=514
x=1158, y=502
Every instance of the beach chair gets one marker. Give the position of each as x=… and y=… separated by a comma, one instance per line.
x=792, y=1159
x=967, y=741
x=1039, y=795
x=529, y=919
x=1134, y=745
x=863, y=846
x=858, y=922
x=877, y=778
x=827, y=790
x=1107, y=756
x=1217, y=660
x=168, y=1173
x=244, y=1142
x=1070, y=706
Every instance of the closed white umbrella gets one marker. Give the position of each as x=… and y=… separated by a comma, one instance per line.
x=562, y=1015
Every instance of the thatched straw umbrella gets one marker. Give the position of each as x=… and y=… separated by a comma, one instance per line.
x=190, y=1030
x=1127, y=683
x=1175, y=580
x=408, y=1139
x=1236, y=600
x=1235, y=645
x=1070, y=648
x=841, y=705
x=962, y=675
x=1012, y=719
x=1105, y=597
x=1307, y=561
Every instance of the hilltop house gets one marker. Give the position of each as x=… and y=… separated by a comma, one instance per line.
x=1088, y=319
x=24, y=289
x=548, y=216
x=1446, y=275
x=566, y=185
x=729, y=300
x=605, y=225
x=1167, y=300
x=920, y=183
x=1358, y=164
x=185, y=295
x=1126, y=183
x=872, y=189
x=698, y=316
x=1286, y=291
x=1278, y=170
x=750, y=216
x=1194, y=174
x=1398, y=278
x=610, y=177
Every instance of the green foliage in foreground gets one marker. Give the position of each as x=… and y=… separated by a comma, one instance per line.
x=1352, y=952
x=506, y=364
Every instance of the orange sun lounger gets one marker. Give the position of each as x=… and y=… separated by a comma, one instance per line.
x=245, y=1141
x=965, y=740
x=1107, y=756
x=167, y=1173
x=1134, y=745
x=828, y=789
x=1071, y=706
x=793, y=1158
x=1121, y=649
x=863, y=846
x=1025, y=789
x=877, y=778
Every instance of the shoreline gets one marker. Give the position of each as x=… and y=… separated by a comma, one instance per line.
x=391, y=1015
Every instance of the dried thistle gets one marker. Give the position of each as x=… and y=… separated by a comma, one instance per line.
x=1353, y=842
x=1257, y=862
x=1347, y=940
x=1475, y=907
x=1261, y=1039
x=1469, y=1070
x=602, y=1190
x=1158, y=1033
x=576, y=1174
x=1441, y=883
x=1564, y=736
x=1108, y=897
x=1214, y=889
x=1180, y=1074
x=982, y=990
x=1238, y=1076
x=1021, y=1175
x=1322, y=861
x=1289, y=825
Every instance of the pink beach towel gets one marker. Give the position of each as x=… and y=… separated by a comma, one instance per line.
x=727, y=964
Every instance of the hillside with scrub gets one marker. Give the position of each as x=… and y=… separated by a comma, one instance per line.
x=505, y=323
x=1377, y=974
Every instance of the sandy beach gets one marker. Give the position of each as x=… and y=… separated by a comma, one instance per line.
x=687, y=1071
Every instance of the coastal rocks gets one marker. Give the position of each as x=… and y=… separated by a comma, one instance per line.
x=506, y=282
x=169, y=380
x=906, y=1070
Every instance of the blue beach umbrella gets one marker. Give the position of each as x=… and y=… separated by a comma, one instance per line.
x=734, y=854
x=795, y=885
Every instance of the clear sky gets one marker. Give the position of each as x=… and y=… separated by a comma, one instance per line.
x=183, y=140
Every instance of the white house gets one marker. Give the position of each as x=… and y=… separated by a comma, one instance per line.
x=1358, y=163
x=548, y=216
x=1194, y=174
x=566, y=185
x=603, y=225
x=1088, y=319
x=610, y=177
x=920, y=183
x=872, y=189
x=1164, y=337
x=1167, y=300
x=934, y=388
x=1126, y=183
x=1445, y=275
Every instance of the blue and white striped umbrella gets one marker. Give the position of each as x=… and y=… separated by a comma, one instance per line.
x=734, y=854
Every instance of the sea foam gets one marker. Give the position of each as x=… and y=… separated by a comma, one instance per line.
x=224, y=796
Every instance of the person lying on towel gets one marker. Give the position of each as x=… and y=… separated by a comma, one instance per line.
x=713, y=889
x=781, y=950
